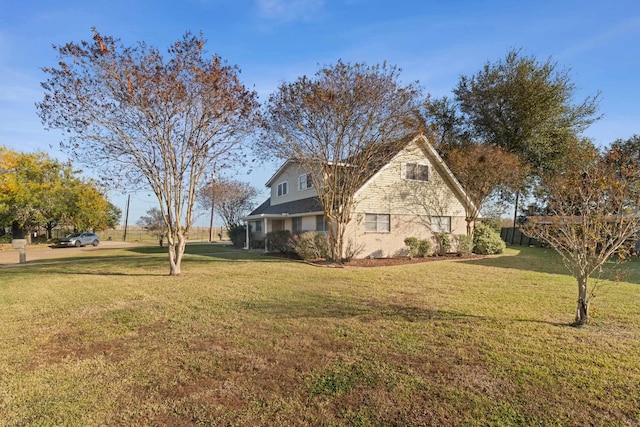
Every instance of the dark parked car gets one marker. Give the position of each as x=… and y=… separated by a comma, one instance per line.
x=80, y=239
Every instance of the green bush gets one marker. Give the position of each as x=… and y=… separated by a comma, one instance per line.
x=444, y=243
x=463, y=244
x=412, y=244
x=311, y=245
x=424, y=248
x=494, y=222
x=417, y=247
x=256, y=243
x=279, y=241
x=486, y=241
x=237, y=234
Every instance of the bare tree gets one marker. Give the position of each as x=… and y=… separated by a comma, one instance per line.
x=231, y=198
x=133, y=114
x=339, y=125
x=484, y=170
x=592, y=207
x=153, y=221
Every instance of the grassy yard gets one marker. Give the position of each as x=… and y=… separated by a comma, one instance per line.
x=242, y=339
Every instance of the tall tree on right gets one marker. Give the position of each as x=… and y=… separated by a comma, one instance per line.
x=525, y=106
x=518, y=103
x=592, y=206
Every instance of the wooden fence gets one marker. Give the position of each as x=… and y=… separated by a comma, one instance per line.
x=513, y=236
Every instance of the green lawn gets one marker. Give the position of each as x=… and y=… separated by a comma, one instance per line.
x=242, y=339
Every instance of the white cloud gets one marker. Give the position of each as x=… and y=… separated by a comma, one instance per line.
x=289, y=10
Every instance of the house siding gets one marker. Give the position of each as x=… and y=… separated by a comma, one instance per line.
x=409, y=203
x=291, y=174
x=389, y=244
x=388, y=193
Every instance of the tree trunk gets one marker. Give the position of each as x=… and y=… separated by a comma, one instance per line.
x=582, y=311
x=469, y=222
x=176, y=246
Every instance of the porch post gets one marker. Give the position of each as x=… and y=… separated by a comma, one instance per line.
x=246, y=239
x=266, y=242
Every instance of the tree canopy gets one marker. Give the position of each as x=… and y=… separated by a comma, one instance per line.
x=336, y=124
x=153, y=222
x=232, y=199
x=134, y=114
x=525, y=106
x=36, y=190
x=475, y=166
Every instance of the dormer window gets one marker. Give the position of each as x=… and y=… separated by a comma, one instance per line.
x=305, y=182
x=416, y=171
x=283, y=189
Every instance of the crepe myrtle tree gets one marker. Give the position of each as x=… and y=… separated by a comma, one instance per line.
x=232, y=199
x=140, y=116
x=337, y=125
x=591, y=214
x=475, y=165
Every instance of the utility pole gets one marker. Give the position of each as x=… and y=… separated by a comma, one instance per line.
x=126, y=219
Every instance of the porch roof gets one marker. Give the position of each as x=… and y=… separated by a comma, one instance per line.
x=302, y=207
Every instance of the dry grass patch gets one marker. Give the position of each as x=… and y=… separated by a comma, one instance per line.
x=241, y=339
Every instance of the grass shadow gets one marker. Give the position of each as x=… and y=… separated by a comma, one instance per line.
x=323, y=306
x=546, y=260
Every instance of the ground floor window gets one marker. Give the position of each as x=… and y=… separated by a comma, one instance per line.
x=277, y=225
x=441, y=224
x=258, y=226
x=377, y=222
x=296, y=225
x=321, y=223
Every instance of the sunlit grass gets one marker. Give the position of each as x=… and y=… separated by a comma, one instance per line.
x=244, y=339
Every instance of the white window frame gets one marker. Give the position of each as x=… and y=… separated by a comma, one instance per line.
x=282, y=189
x=413, y=166
x=441, y=224
x=377, y=223
x=258, y=227
x=305, y=182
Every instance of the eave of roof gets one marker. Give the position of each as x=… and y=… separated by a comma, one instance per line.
x=301, y=207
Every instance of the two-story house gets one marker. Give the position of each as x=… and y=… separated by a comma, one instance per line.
x=414, y=194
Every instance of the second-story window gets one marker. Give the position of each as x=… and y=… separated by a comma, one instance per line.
x=305, y=182
x=282, y=189
x=416, y=172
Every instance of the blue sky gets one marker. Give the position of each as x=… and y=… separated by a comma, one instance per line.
x=273, y=41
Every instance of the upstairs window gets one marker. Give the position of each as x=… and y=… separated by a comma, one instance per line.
x=377, y=222
x=416, y=172
x=282, y=189
x=305, y=182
